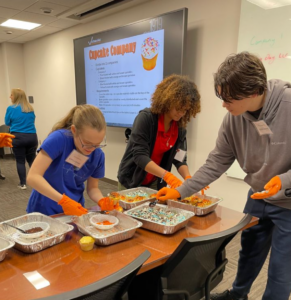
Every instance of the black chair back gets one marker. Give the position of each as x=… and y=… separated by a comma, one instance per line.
x=113, y=287
x=197, y=265
x=4, y=129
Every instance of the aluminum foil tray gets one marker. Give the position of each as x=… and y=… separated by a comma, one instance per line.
x=129, y=205
x=5, y=244
x=56, y=233
x=65, y=218
x=157, y=227
x=199, y=211
x=123, y=231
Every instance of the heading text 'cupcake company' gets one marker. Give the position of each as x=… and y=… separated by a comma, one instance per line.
x=114, y=50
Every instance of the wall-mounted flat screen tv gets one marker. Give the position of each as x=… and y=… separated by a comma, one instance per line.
x=117, y=70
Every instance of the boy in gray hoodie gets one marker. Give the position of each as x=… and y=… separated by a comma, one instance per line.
x=257, y=132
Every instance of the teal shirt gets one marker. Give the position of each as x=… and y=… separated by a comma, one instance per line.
x=20, y=121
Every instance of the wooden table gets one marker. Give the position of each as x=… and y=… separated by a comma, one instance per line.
x=67, y=267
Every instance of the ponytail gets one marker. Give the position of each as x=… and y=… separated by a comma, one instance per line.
x=81, y=116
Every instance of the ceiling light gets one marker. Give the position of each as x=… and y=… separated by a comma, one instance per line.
x=19, y=24
x=267, y=4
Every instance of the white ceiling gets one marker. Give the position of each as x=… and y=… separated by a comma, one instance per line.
x=57, y=20
x=29, y=10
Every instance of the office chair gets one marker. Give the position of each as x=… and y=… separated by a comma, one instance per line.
x=4, y=129
x=113, y=287
x=197, y=265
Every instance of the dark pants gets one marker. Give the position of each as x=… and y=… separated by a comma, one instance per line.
x=273, y=232
x=24, y=148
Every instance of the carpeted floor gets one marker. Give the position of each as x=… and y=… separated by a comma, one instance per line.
x=14, y=201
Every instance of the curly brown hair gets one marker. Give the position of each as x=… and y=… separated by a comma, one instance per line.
x=240, y=76
x=176, y=91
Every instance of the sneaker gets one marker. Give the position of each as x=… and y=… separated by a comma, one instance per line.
x=226, y=295
x=22, y=186
x=2, y=177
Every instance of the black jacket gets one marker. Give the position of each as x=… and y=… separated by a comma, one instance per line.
x=139, y=149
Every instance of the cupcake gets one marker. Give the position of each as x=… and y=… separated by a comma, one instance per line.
x=149, y=53
x=115, y=197
x=86, y=243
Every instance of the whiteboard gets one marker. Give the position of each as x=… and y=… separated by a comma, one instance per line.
x=266, y=33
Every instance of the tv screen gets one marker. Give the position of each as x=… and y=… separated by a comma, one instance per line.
x=118, y=70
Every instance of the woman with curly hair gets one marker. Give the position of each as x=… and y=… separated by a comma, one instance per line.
x=158, y=135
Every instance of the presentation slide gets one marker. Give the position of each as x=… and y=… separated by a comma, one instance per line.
x=122, y=75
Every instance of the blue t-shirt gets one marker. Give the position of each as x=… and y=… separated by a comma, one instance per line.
x=63, y=176
x=20, y=121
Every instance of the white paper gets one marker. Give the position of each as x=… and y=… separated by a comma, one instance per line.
x=76, y=159
x=36, y=280
x=180, y=155
x=262, y=128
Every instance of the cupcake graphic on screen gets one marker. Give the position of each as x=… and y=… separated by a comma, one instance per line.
x=149, y=53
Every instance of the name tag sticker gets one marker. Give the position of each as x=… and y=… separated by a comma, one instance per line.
x=76, y=159
x=180, y=155
x=262, y=128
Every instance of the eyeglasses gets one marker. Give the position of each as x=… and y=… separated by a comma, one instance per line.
x=93, y=146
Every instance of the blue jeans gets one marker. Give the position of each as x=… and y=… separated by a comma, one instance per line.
x=273, y=231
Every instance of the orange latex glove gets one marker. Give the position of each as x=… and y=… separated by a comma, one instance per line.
x=166, y=193
x=204, y=189
x=271, y=189
x=6, y=140
x=188, y=177
x=106, y=203
x=172, y=180
x=72, y=207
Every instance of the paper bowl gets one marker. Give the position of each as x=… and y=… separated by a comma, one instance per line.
x=100, y=218
x=45, y=227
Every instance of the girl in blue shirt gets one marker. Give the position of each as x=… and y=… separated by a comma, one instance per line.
x=69, y=156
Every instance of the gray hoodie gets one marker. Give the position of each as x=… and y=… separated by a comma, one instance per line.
x=261, y=157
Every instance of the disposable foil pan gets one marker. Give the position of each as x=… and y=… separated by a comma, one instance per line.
x=56, y=233
x=129, y=205
x=65, y=218
x=199, y=211
x=123, y=231
x=157, y=227
x=5, y=244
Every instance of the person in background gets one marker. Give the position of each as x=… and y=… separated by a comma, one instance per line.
x=5, y=141
x=70, y=155
x=21, y=118
x=255, y=131
x=158, y=137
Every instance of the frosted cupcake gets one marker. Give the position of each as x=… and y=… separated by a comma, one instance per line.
x=149, y=53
